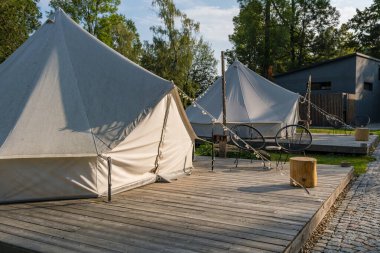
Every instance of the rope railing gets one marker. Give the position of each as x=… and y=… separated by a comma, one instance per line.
x=215, y=121
x=327, y=115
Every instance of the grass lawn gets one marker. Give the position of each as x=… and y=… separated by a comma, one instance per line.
x=337, y=131
x=358, y=161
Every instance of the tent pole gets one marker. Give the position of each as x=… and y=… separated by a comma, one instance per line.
x=109, y=165
x=223, y=142
x=109, y=162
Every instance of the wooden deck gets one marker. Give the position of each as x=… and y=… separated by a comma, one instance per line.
x=235, y=210
x=339, y=143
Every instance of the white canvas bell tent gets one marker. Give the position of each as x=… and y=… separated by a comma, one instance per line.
x=250, y=99
x=68, y=102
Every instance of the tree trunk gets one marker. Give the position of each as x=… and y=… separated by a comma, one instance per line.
x=266, y=61
x=292, y=36
x=304, y=171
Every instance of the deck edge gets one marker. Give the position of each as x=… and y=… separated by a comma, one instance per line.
x=11, y=248
x=305, y=233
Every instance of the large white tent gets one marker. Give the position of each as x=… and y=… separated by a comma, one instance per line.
x=250, y=99
x=68, y=102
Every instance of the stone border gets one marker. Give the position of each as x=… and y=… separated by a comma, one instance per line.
x=309, y=228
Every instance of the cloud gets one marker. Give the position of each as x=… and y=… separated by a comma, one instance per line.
x=215, y=22
x=44, y=5
x=346, y=13
x=215, y=25
x=347, y=8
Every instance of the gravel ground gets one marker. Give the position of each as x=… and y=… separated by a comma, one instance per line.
x=353, y=223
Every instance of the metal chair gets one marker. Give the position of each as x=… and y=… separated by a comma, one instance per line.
x=337, y=124
x=246, y=137
x=361, y=121
x=291, y=139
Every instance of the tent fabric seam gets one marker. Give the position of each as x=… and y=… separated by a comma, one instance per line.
x=182, y=113
x=168, y=103
x=241, y=90
x=79, y=92
x=110, y=49
x=249, y=81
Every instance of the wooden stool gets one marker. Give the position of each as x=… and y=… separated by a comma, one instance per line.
x=361, y=134
x=304, y=171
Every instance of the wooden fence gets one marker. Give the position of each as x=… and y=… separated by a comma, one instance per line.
x=341, y=105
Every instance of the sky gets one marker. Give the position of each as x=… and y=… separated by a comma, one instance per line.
x=215, y=17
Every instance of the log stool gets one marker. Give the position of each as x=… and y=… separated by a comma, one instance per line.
x=304, y=171
x=361, y=134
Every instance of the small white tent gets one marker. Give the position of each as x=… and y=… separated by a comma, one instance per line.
x=250, y=99
x=68, y=102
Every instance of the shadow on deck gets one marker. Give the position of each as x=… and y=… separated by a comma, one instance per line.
x=235, y=210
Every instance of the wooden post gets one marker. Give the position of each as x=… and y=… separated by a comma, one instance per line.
x=361, y=134
x=304, y=171
x=308, y=120
x=223, y=142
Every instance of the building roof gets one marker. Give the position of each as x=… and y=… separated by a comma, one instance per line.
x=328, y=62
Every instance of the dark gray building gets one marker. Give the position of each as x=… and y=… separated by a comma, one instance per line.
x=355, y=78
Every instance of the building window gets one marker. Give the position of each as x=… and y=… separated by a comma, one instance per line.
x=320, y=86
x=368, y=86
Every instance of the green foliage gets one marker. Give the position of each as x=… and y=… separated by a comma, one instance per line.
x=99, y=18
x=120, y=33
x=204, y=149
x=87, y=12
x=366, y=27
x=175, y=53
x=300, y=32
x=18, y=19
x=359, y=162
x=338, y=131
x=203, y=69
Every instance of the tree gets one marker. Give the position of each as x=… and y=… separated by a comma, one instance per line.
x=203, y=69
x=87, y=12
x=121, y=34
x=99, y=18
x=18, y=19
x=313, y=26
x=366, y=27
x=175, y=53
x=285, y=34
x=248, y=35
x=258, y=37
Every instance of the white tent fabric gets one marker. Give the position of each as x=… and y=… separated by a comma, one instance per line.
x=67, y=99
x=250, y=99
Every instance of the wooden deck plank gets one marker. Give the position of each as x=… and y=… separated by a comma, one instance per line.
x=18, y=244
x=96, y=235
x=197, y=235
x=242, y=209
x=110, y=222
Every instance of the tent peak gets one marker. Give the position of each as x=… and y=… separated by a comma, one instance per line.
x=52, y=17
